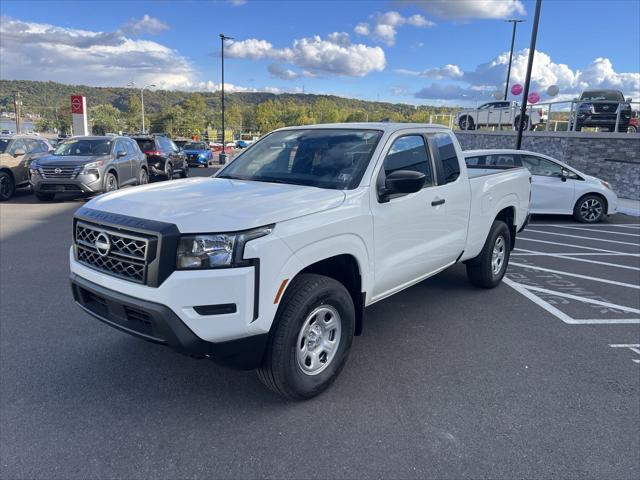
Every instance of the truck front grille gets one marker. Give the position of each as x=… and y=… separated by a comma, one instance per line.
x=59, y=171
x=118, y=253
x=605, y=108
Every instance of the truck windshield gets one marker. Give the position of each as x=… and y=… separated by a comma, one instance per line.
x=325, y=158
x=602, y=95
x=84, y=148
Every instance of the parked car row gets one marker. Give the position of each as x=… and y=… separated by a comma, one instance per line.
x=86, y=164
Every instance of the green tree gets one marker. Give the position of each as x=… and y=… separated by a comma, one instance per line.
x=105, y=119
x=134, y=113
x=194, y=114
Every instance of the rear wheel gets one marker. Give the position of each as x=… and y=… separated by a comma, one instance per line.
x=110, y=182
x=44, y=197
x=632, y=129
x=7, y=186
x=589, y=209
x=143, y=178
x=184, y=173
x=488, y=268
x=311, y=338
x=516, y=124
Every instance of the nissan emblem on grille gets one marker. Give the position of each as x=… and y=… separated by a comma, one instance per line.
x=58, y=171
x=102, y=244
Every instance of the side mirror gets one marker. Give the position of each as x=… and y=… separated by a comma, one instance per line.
x=629, y=100
x=19, y=152
x=121, y=153
x=402, y=181
x=565, y=174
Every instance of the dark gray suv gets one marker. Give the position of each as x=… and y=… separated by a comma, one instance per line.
x=89, y=165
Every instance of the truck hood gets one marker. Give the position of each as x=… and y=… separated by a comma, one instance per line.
x=217, y=204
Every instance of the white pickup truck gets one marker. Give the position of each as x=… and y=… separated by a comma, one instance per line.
x=496, y=114
x=271, y=263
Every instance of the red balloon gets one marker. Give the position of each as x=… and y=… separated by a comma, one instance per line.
x=516, y=89
x=534, y=97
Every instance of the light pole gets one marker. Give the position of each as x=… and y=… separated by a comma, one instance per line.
x=222, y=157
x=513, y=39
x=527, y=80
x=151, y=85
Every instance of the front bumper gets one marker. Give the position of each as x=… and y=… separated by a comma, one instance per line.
x=158, y=323
x=80, y=184
x=197, y=161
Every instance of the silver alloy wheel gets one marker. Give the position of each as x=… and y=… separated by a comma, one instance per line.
x=318, y=340
x=144, y=177
x=591, y=209
x=169, y=171
x=112, y=183
x=497, y=257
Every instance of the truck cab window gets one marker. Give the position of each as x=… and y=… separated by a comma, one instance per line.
x=447, y=157
x=409, y=153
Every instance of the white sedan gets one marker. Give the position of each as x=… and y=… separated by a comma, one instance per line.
x=556, y=188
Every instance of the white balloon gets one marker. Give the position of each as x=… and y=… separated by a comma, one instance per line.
x=553, y=90
x=498, y=95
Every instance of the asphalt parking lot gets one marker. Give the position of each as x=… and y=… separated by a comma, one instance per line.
x=539, y=377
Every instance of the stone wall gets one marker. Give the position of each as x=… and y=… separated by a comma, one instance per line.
x=614, y=157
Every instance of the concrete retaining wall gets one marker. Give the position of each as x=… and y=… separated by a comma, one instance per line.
x=614, y=157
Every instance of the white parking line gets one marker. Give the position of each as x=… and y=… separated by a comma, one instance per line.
x=596, y=262
x=577, y=275
x=574, y=246
x=636, y=244
x=581, y=254
x=606, y=225
x=518, y=287
x=634, y=347
x=599, y=230
x=583, y=299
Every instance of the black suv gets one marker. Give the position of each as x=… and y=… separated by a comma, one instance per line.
x=165, y=159
x=599, y=108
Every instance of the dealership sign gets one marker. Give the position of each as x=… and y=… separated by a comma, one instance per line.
x=79, y=115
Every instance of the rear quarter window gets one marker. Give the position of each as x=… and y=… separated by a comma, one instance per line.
x=447, y=157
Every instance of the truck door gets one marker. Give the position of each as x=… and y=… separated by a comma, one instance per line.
x=409, y=229
x=454, y=189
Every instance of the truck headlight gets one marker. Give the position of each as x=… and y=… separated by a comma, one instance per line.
x=216, y=250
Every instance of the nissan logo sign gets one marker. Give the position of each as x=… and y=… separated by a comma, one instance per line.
x=102, y=244
x=605, y=107
x=57, y=171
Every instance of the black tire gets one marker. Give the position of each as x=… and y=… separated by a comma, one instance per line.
x=281, y=371
x=480, y=270
x=45, y=197
x=578, y=127
x=632, y=129
x=466, y=123
x=516, y=123
x=7, y=186
x=589, y=209
x=184, y=173
x=110, y=182
x=143, y=177
x=168, y=171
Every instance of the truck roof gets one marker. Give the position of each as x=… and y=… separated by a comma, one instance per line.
x=384, y=126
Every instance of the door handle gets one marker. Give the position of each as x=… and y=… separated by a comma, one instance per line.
x=435, y=203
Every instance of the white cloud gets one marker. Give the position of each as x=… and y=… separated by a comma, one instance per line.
x=146, y=24
x=333, y=55
x=238, y=3
x=491, y=76
x=37, y=51
x=284, y=73
x=470, y=9
x=231, y=88
x=437, y=73
x=384, y=26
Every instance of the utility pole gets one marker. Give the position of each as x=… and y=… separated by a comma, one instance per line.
x=222, y=157
x=17, y=101
x=513, y=39
x=527, y=81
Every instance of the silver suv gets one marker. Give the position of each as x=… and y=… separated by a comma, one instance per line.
x=89, y=165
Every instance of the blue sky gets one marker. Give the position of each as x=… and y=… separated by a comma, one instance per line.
x=433, y=51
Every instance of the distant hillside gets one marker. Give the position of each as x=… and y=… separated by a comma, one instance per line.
x=40, y=96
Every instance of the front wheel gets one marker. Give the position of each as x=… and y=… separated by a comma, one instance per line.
x=488, y=268
x=168, y=171
x=632, y=129
x=589, y=209
x=7, y=186
x=110, y=182
x=311, y=338
x=184, y=173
